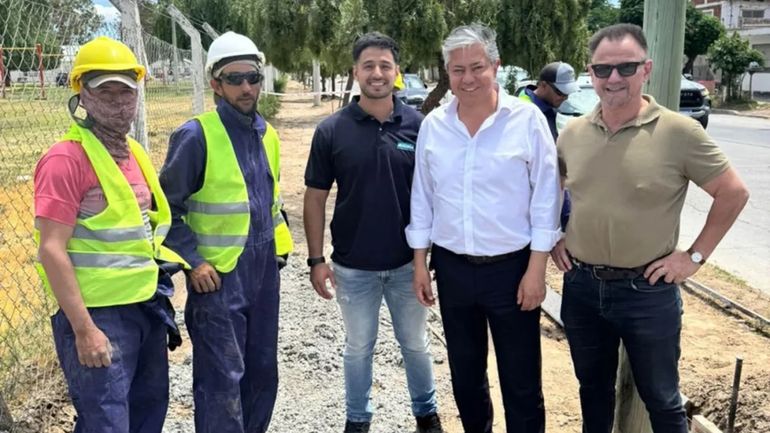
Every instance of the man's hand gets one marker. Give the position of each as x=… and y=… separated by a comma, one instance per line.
x=560, y=256
x=531, y=290
x=674, y=268
x=421, y=286
x=204, y=279
x=94, y=348
x=318, y=276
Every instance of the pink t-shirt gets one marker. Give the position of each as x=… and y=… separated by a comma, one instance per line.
x=66, y=186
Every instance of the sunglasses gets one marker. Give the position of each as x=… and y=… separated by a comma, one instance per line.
x=626, y=69
x=557, y=91
x=236, y=78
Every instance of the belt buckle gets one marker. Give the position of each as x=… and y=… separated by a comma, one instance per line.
x=597, y=268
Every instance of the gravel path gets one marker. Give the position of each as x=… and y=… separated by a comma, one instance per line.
x=311, y=388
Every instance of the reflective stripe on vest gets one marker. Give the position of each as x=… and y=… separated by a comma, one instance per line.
x=113, y=259
x=218, y=213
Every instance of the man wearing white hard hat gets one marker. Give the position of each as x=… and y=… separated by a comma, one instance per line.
x=221, y=179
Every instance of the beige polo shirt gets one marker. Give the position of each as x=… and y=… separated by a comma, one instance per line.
x=628, y=188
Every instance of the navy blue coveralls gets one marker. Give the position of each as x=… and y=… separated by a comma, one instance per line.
x=234, y=331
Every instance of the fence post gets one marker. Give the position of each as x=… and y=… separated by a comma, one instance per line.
x=40, y=68
x=175, y=61
x=6, y=420
x=197, y=57
x=316, y=83
x=131, y=32
x=213, y=34
x=2, y=74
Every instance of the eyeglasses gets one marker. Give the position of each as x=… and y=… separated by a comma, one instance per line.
x=557, y=91
x=626, y=69
x=236, y=78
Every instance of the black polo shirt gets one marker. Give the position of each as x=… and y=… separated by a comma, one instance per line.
x=373, y=164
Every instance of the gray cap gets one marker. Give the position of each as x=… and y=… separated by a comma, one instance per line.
x=561, y=75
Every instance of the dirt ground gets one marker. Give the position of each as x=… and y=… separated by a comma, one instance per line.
x=711, y=339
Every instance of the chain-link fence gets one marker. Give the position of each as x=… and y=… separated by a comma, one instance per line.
x=38, y=44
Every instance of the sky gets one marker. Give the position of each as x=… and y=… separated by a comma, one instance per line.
x=106, y=9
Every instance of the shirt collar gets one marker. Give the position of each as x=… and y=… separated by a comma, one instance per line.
x=505, y=102
x=541, y=104
x=360, y=114
x=651, y=112
x=231, y=116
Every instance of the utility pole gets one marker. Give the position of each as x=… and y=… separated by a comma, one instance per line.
x=664, y=22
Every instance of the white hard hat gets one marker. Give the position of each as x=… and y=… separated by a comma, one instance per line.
x=230, y=44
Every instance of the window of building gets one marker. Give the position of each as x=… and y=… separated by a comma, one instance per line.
x=753, y=13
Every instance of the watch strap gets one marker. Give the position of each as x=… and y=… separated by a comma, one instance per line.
x=312, y=261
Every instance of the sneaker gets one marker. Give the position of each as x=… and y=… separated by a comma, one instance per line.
x=429, y=424
x=356, y=427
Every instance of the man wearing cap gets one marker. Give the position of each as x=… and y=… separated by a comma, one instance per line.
x=100, y=222
x=221, y=179
x=556, y=83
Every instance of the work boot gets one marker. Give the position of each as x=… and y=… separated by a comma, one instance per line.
x=356, y=427
x=429, y=424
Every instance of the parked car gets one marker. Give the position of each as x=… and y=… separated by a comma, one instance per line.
x=414, y=92
x=694, y=101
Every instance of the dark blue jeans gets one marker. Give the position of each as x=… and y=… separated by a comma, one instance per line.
x=597, y=315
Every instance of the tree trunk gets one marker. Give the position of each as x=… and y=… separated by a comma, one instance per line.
x=348, y=87
x=323, y=85
x=434, y=98
x=334, y=86
x=6, y=421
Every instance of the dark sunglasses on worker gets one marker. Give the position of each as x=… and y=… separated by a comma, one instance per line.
x=236, y=78
x=626, y=69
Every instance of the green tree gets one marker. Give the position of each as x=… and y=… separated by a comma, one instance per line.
x=732, y=55
x=53, y=24
x=632, y=12
x=529, y=38
x=700, y=32
x=601, y=14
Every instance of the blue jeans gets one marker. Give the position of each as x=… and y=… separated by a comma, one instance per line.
x=360, y=294
x=597, y=315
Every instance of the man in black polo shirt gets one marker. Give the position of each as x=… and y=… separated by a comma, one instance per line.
x=368, y=149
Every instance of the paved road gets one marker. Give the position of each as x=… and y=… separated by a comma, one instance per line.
x=745, y=251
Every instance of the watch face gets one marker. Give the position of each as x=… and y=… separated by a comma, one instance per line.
x=696, y=257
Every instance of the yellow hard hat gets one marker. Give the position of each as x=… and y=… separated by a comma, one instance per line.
x=104, y=54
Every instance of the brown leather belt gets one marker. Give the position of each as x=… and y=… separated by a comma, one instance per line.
x=603, y=272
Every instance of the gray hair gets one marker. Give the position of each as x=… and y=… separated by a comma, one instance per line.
x=466, y=36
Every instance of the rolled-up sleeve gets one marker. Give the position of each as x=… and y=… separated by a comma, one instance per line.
x=421, y=207
x=544, y=182
x=180, y=177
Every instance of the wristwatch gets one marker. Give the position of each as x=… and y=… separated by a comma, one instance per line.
x=696, y=257
x=312, y=261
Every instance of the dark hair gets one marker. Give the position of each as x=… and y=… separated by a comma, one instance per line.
x=377, y=40
x=617, y=32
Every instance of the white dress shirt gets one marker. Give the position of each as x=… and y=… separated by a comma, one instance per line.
x=490, y=194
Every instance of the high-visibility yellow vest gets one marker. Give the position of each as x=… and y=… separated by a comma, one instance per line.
x=524, y=97
x=218, y=213
x=114, y=261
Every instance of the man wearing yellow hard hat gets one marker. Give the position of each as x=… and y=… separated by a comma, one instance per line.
x=100, y=221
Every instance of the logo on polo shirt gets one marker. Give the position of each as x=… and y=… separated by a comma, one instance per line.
x=402, y=145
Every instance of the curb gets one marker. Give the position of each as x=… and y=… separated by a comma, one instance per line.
x=738, y=113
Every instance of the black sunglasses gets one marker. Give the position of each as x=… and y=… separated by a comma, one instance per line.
x=236, y=78
x=556, y=90
x=626, y=69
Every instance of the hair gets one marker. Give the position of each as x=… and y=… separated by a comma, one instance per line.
x=377, y=40
x=465, y=36
x=617, y=32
